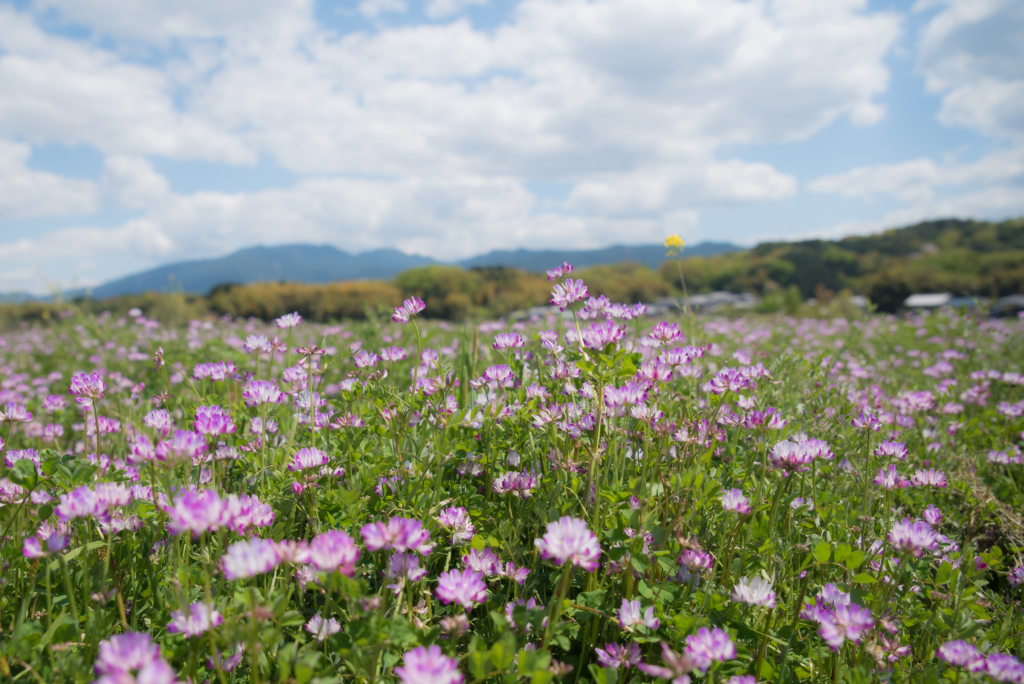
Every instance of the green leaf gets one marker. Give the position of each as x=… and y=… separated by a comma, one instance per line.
x=864, y=578
x=503, y=653
x=71, y=555
x=24, y=473
x=843, y=552
x=944, y=573
x=541, y=677
x=855, y=558
x=285, y=656
x=53, y=629
x=479, y=665
x=822, y=551
x=604, y=675
x=291, y=618
x=45, y=511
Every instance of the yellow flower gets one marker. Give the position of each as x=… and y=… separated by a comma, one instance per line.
x=675, y=244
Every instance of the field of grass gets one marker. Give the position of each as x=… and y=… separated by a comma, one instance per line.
x=599, y=498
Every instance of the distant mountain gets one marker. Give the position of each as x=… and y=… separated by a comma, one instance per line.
x=305, y=263
x=535, y=260
x=324, y=264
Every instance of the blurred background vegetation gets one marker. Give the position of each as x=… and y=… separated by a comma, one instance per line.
x=962, y=257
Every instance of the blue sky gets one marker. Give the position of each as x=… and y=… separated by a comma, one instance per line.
x=137, y=133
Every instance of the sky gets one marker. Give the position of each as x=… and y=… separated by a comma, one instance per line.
x=135, y=133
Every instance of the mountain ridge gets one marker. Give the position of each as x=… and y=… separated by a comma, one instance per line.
x=317, y=264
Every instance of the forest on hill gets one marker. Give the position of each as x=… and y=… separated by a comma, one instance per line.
x=962, y=257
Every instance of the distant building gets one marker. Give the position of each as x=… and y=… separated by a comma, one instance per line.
x=1007, y=307
x=705, y=303
x=930, y=300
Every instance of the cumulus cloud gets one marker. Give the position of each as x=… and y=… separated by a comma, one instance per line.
x=26, y=193
x=374, y=8
x=436, y=9
x=971, y=52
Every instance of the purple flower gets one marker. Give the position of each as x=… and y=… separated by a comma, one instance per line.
x=15, y=455
x=410, y=307
x=708, y=646
x=932, y=515
x=962, y=654
x=399, y=534
x=261, y=392
x=569, y=293
x=257, y=343
x=428, y=666
x=559, y=271
x=464, y=587
x=519, y=485
x=914, y=538
x=1016, y=576
x=629, y=616
x=508, y=341
x=403, y=567
x=159, y=420
x=1004, y=668
x=754, y=591
x=501, y=375
x=393, y=353
x=132, y=657
x=696, y=559
x=213, y=420
x=677, y=667
x=931, y=476
x=892, y=450
x=16, y=413
x=194, y=511
x=217, y=372
x=183, y=446
x=734, y=500
x=600, y=335
x=307, y=458
x=846, y=621
x=666, y=332
x=250, y=558
x=32, y=547
x=78, y=503
x=288, y=320
x=613, y=655
x=728, y=380
x=87, y=387
x=792, y=457
x=484, y=561
x=322, y=629
x=199, y=619
x=334, y=550
x=456, y=521
x=569, y=539
x=890, y=479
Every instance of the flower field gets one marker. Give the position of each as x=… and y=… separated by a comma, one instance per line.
x=598, y=497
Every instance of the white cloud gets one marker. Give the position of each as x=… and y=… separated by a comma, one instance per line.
x=564, y=90
x=972, y=52
x=655, y=190
x=132, y=182
x=374, y=8
x=917, y=180
x=58, y=90
x=26, y=193
x=158, y=22
x=436, y=9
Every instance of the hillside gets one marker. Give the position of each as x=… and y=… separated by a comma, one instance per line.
x=951, y=255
